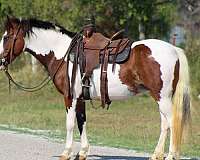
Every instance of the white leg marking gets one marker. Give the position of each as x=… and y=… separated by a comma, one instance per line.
x=70, y=122
x=165, y=106
x=84, y=143
x=172, y=153
x=159, y=150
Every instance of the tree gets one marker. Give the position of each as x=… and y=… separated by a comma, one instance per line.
x=153, y=16
x=49, y=10
x=189, y=11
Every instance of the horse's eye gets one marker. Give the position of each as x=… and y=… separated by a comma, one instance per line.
x=5, y=39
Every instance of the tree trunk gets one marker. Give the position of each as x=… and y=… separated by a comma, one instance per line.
x=141, y=31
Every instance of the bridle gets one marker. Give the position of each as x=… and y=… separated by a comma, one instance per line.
x=10, y=52
x=5, y=63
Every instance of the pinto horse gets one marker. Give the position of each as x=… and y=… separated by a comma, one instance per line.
x=159, y=67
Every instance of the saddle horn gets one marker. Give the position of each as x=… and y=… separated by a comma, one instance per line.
x=89, y=28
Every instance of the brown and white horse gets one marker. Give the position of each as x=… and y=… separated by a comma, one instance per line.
x=157, y=66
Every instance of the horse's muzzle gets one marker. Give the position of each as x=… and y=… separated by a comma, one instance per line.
x=2, y=67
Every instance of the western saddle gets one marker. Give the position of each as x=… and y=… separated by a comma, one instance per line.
x=96, y=50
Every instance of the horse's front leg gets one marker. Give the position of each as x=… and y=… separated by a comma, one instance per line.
x=81, y=121
x=70, y=122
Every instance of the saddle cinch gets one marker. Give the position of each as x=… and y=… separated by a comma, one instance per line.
x=99, y=50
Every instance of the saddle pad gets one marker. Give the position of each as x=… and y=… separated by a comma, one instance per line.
x=120, y=58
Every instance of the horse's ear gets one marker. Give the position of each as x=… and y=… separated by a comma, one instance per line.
x=8, y=19
x=9, y=23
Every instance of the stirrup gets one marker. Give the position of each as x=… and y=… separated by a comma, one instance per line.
x=85, y=82
x=86, y=93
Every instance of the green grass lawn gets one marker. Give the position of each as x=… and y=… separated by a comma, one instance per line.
x=132, y=124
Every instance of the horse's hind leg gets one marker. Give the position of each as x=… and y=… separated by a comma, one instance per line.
x=165, y=107
x=81, y=121
x=70, y=122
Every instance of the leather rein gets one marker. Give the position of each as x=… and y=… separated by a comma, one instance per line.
x=48, y=78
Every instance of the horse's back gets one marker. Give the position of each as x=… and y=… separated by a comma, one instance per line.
x=158, y=47
x=164, y=53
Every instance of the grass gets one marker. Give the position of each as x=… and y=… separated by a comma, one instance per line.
x=132, y=124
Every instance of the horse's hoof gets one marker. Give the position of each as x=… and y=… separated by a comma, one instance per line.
x=66, y=155
x=79, y=157
x=82, y=157
x=172, y=157
x=62, y=157
x=157, y=157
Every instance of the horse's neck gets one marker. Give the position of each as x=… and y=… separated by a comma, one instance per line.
x=43, y=42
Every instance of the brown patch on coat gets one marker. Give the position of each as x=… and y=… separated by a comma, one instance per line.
x=176, y=76
x=60, y=78
x=142, y=69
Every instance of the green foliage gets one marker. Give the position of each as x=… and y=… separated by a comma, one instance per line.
x=110, y=15
x=193, y=54
x=50, y=10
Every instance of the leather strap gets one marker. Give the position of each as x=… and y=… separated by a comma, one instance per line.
x=75, y=64
x=82, y=59
x=68, y=95
x=11, y=49
x=104, y=80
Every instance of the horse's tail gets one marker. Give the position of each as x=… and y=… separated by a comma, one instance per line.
x=181, y=102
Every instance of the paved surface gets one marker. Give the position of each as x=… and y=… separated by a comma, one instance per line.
x=15, y=146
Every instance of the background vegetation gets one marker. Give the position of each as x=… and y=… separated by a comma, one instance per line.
x=155, y=16
x=131, y=124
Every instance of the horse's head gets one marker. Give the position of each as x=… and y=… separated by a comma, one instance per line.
x=12, y=43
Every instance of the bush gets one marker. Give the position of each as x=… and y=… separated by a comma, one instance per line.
x=192, y=51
